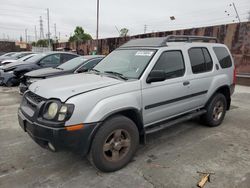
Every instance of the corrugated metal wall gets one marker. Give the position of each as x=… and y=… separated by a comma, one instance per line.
x=235, y=36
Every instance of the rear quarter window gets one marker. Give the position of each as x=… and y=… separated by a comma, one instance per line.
x=223, y=57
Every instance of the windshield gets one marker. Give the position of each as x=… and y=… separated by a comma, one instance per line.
x=129, y=63
x=35, y=58
x=25, y=58
x=72, y=64
x=20, y=55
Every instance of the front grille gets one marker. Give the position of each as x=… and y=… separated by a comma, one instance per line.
x=34, y=97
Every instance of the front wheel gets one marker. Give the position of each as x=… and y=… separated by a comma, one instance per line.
x=114, y=144
x=216, y=111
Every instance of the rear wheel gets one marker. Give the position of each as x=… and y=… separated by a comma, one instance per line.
x=216, y=111
x=9, y=83
x=114, y=144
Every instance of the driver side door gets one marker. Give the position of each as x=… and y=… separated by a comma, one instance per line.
x=164, y=99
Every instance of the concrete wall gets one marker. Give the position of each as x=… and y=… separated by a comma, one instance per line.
x=235, y=36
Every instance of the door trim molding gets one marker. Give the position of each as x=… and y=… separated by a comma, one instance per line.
x=174, y=100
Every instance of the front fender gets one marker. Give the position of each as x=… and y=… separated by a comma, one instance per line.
x=97, y=105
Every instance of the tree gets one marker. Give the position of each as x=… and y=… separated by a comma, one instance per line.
x=124, y=32
x=80, y=35
x=42, y=43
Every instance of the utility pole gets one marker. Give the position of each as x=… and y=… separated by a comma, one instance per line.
x=59, y=35
x=145, y=28
x=235, y=9
x=97, y=26
x=55, y=30
x=118, y=30
x=41, y=28
x=35, y=34
x=26, y=37
x=48, y=28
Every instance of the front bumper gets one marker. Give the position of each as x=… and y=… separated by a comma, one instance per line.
x=60, y=138
x=6, y=76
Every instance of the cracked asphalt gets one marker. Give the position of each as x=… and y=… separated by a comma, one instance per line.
x=171, y=158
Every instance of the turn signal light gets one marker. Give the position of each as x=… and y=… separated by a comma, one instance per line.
x=74, y=127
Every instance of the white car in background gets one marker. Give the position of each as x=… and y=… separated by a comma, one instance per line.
x=5, y=62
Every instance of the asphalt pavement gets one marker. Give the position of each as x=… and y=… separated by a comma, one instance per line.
x=171, y=158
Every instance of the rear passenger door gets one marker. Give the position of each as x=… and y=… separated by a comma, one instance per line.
x=201, y=75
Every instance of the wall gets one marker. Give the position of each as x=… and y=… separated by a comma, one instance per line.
x=236, y=36
x=6, y=46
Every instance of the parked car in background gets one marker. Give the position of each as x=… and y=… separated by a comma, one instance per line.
x=15, y=56
x=10, y=74
x=5, y=62
x=144, y=86
x=76, y=65
x=6, y=55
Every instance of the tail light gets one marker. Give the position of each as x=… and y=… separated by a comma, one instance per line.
x=234, y=76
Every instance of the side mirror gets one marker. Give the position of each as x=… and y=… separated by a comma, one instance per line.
x=156, y=76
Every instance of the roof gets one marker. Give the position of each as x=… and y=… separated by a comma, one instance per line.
x=162, y=41
x=93, y=56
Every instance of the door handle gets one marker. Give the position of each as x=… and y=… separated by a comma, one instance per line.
x=186, y=83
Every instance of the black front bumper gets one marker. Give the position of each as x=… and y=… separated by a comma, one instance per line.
x=78, y=141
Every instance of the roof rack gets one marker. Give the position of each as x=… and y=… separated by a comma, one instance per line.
x=188, y=38
x=162, y=41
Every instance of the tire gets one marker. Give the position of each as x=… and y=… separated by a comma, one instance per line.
x=114, y=144
x=9, y=83
x=216, y=110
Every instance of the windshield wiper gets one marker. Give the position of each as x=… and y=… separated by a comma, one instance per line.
x=117, y=74
x=95, y=70
x=59, y=68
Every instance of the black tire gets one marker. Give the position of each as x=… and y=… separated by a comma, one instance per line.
x=106, y=153
x=216, y=110
x=9, y=83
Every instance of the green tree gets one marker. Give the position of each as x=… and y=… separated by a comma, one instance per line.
x=124, y=32
x=80, y=35
x=42, y=43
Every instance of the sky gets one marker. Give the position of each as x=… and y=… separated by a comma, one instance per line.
x=18, y=15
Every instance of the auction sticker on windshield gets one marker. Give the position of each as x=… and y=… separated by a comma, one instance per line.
x=144, y=53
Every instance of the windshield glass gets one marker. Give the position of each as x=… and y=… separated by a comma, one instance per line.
x=72, y=64
x=129, y=63
x=35, y=58
x=25, y=58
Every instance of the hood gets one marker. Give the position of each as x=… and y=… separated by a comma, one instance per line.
x=14, y=64
x=6, y=58
x=46, y=72
x=64, y=87
x=9, y=61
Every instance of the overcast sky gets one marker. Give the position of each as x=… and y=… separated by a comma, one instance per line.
x=16, y=15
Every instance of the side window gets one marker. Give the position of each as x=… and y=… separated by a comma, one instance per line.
x=200, y=59
x=172, y=63
x=66, y=57
x=51, y=60
x=223, y=57
x=208, y=59
x=91, y=64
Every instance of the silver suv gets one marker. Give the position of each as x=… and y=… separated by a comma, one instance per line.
x=142, y=87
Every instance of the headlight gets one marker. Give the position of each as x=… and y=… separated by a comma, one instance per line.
x=57, y=111
x=52, y=110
